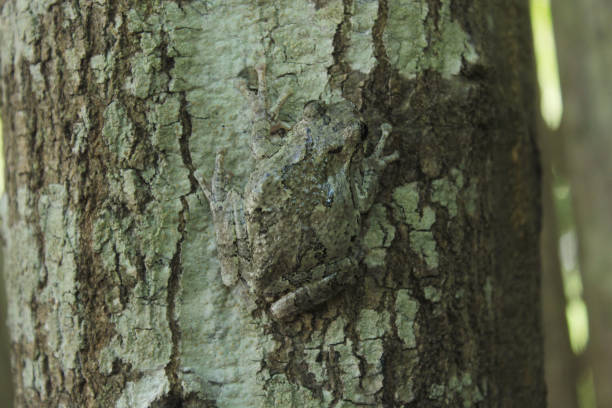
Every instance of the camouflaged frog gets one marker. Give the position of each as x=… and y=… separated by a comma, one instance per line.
x=292, y=236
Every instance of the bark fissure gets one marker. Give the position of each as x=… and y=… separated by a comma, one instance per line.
x=174, y=281
x=185, y=119
x=377, y=35
x=339, y=71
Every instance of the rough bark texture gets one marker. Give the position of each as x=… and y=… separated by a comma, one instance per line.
x=585, y=62
x=115, y=296
x=6, y=385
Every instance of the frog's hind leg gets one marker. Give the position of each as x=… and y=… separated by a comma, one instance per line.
x=337, y=276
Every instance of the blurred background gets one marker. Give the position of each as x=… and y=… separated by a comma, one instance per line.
x=573, y=47
x=574, y=66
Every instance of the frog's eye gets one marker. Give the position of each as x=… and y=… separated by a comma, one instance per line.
x=329, y=200
x=355, y=133
x=363, y=129
x=313, y=109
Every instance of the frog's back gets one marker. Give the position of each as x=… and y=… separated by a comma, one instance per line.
x=299, y=206
x=296, y=221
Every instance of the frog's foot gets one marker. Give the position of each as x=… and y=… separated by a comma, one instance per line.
x=265, y=120
x=262, y=96
x=275, y=110
x=227, y=207
x=217, y=192
x=340, y=274
x=261, y=102
x=380, y=161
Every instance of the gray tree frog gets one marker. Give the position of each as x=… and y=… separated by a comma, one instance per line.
x=292, y=236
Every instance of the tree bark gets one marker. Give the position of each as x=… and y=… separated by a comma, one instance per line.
x=115, y=299
x=6, y=386
x=585, y=61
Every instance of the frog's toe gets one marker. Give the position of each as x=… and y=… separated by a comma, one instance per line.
x=382, y=142
x=386, y=128
x=218, y=183
x=203, y=185
x=390, y=158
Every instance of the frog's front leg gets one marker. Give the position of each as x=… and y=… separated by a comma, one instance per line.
x=265, y=120
x=367, y=180
x=336, y=276
x=227, y=209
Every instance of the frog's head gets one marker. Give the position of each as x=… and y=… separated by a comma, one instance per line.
x=348, y=131
x=313, y=110
x=353, y=134
x=336, y=128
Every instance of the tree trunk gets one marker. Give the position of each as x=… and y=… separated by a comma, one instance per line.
x=585, y=63
x=112, y=112
x=6, y=388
